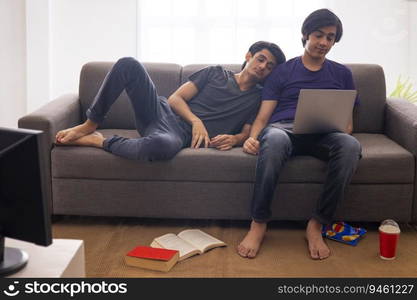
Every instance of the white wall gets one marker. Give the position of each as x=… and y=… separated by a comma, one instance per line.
x=12, y=62
x=45, y=43
x=375, y=31
x=83, y=31
x=38, y=53
x=412, y=38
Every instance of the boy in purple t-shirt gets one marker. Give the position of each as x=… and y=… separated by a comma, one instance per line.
x=272, y=138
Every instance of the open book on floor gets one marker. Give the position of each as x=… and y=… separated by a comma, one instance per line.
x=188, y=242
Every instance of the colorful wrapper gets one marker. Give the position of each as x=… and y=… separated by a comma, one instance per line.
x=343, y=232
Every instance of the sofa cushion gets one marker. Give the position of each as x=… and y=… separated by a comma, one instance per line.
x=383, y=161
x=166, y=78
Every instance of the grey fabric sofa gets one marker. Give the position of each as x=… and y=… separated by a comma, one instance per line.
x=207, y=183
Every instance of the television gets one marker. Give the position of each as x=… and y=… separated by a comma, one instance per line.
x=24, y=196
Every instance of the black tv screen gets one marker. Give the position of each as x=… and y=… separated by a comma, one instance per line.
x=24, y=200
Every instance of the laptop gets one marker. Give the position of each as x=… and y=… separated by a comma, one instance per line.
x=323, y=111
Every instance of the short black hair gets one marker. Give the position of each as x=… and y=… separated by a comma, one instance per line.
x=319, y=19
x=271, y=47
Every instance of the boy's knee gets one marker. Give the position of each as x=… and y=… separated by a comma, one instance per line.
x=273, y=134
x=131, y=68
x=351, y=147
x=162, y=147
x=127, y=61
x=275, y=138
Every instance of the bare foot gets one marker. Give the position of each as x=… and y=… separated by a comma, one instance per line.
x=251, y=243
x=94, y=139
x=69, y=135
x=316, y=245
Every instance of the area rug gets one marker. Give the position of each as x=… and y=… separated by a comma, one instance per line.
x=283, y=253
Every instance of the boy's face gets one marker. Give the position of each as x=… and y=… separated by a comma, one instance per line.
x=260, y=64
x=320, y=42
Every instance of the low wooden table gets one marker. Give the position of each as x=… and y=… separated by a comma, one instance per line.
x=63, y=258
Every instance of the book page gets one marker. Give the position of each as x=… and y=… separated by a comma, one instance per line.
x=200, y=239
x=171, y=241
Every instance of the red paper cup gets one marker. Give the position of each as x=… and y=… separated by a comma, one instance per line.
x=389, y=234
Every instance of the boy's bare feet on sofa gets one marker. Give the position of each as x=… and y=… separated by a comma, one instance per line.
x=94, y=139
x=316, y=245
x=69, y=135
x=251, y=243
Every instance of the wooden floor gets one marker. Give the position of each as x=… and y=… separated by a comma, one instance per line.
x=283, y=254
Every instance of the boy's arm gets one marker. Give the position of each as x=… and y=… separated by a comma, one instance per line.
x=243, y=135
x=251, y=145
x=178, y=102
x=228, y=141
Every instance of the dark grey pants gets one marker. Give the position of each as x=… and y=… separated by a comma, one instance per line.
x=161, y=134
x=342, y=151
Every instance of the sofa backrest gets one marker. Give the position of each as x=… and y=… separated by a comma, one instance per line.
x=190, y=69
x=368, y=117
x=369, y=80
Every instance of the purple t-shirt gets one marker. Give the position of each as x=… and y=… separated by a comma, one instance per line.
x=286, y=81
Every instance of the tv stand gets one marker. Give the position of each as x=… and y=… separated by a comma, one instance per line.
x=11, y=259
x=63, y=258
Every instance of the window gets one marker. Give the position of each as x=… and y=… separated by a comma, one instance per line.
x=217, y=31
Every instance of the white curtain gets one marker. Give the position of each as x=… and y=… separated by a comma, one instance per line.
x=217, y=31
x=75, y=32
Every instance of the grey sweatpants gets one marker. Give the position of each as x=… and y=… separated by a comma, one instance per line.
x=162, y=135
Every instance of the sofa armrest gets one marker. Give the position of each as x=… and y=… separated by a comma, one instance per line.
x=56, y=115
x=401, y=123
x=401, y=126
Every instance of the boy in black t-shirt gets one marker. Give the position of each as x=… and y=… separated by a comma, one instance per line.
x=214, y=108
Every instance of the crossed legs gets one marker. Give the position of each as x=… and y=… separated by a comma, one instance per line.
x=152, y=115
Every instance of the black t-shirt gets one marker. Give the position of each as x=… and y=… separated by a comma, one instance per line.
x=220, y=104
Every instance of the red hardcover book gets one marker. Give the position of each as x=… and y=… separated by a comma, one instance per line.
x=152, y=258
x=152, y=253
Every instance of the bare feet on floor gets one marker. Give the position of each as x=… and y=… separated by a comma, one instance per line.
x=94, y=139
x=250, y=245
x=67, y=136
x=316, y=245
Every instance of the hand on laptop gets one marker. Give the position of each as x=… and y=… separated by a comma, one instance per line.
x=251, y=146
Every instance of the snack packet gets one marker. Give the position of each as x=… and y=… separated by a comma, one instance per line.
x=343, y=232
